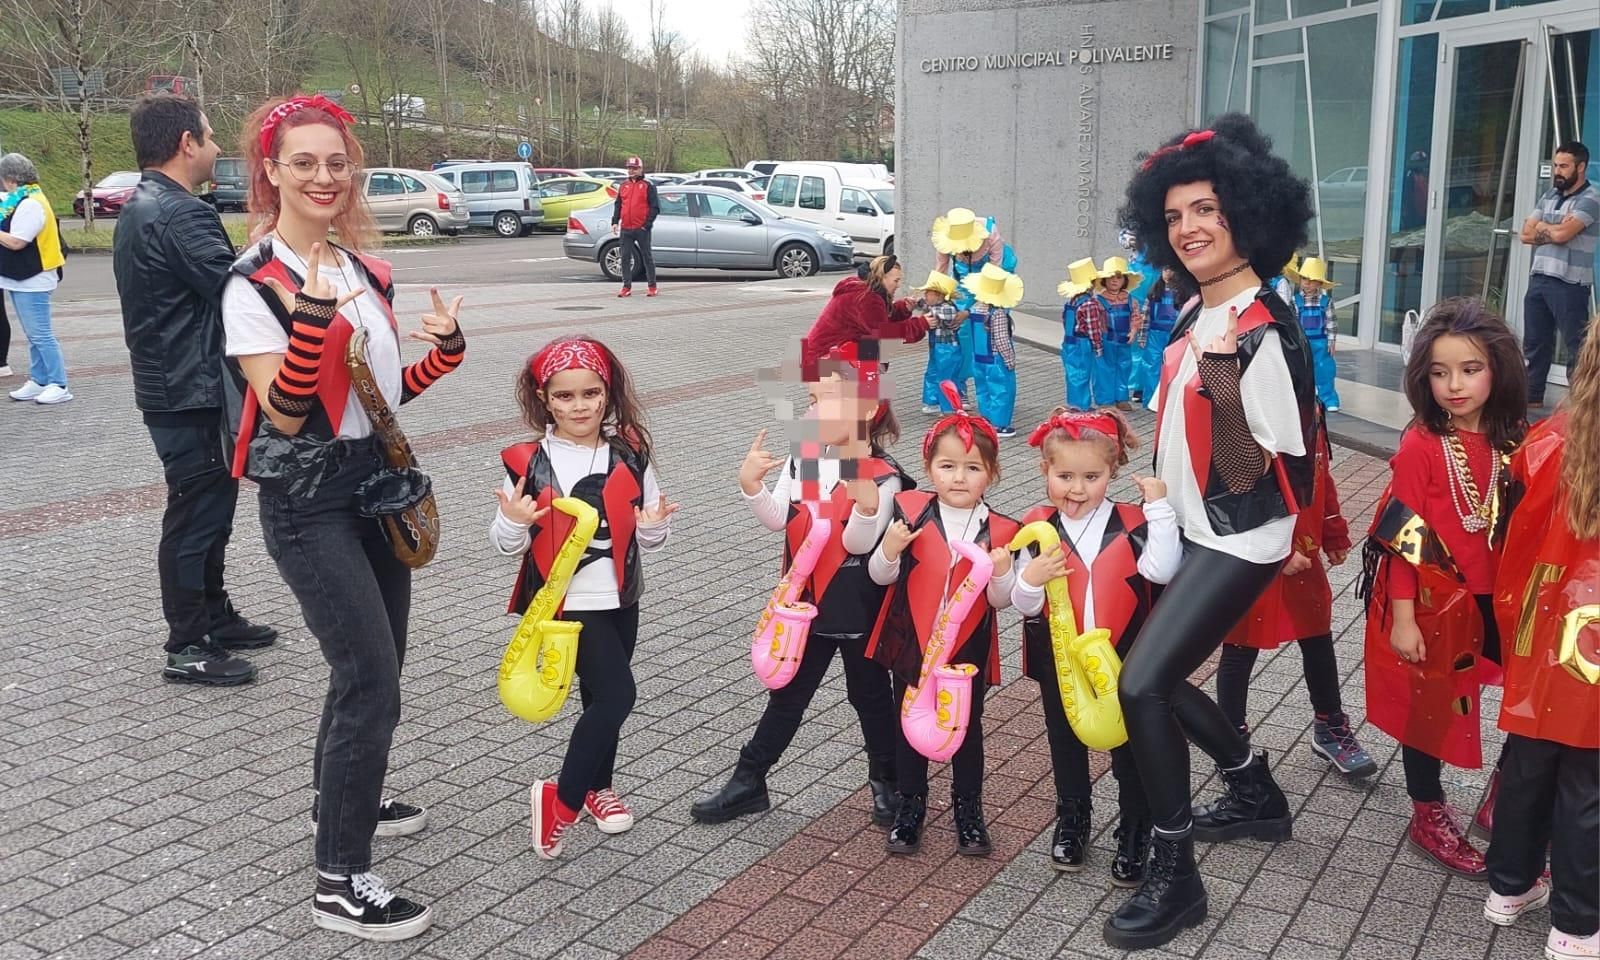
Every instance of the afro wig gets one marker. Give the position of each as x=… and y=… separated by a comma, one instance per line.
x=1267, y=206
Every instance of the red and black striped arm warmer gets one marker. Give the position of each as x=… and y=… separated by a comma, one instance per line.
x=1238, y=458
x=294, y=390
x=439, y=361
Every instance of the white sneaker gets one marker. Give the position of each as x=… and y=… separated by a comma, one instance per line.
x=1565, y=946
x=27, y=391
x=5, y=371
x=53, y=394
x=1502, y=910
x=930, y=409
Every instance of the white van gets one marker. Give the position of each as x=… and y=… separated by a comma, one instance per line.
x=822, y=194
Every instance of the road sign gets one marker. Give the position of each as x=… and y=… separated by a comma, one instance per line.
x=525, y=150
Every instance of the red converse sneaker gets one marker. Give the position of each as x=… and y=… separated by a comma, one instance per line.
x=1435, y=833
x=610, y=814
x=1483, y=822
x=551, y=818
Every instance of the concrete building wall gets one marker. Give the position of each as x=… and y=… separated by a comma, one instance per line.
x=1044, y=143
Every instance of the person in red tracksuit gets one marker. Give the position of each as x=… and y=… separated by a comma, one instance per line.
x=633, y=216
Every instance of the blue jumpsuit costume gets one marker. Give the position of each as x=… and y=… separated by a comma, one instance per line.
x=944, y=362
x=1077, y=357
x=1114, y=368
x=973, y=329
x=996, y=376
x=1161, y=312
x=1316, y=319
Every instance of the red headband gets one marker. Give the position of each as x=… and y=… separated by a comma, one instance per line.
x=269, y=123
x=967, y=425
x=1073, y=425
x=571, y=354
x=1192, y=140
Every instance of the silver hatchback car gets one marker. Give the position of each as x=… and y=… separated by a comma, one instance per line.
x=711, y=229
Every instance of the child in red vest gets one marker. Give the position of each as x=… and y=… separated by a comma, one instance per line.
x=593, y=446
x=961, y=454
x=1110, y=555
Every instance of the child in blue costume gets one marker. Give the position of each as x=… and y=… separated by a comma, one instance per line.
x=1286, y=281
x=994, y=361
x=945, y=323
x=1161, y=312
x=1314, y=306
x=1125, y=318
x=1078, y=349
x=964, y=243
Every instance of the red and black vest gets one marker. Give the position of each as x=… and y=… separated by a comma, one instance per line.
x=1122, y=597
x=848, y=602
x=615, y=499
x=1270, y=499
x=259, y=264
x=926, y=578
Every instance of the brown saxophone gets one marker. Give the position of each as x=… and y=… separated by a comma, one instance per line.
x=413, y=532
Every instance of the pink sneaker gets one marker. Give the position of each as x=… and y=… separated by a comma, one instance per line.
x=1565, y=946
x=610, y=814
x=551, y=818
x=1502, y=910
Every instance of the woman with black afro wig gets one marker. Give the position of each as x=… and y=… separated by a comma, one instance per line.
x=1235, y=407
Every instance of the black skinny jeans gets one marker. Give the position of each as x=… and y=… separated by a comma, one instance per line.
x=636, y=247
x=1424, y=770
x=1210, y=594
x=607, y=690
x=201, y=497
x=5, y=333
x=966, y=767
x=1549, y=800
x=356, y=600
x=1069, y=758
x=866, y=685
x=1317, y=660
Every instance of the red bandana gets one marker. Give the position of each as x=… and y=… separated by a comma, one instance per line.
x=572, y=354
x=269, y=124
x=1073, y=425
x=965, y=423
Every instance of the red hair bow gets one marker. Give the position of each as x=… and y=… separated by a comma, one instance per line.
x=1073, y=425
x=569, y=354
x=269, y=123
x=1194, y=139
x=966, y=424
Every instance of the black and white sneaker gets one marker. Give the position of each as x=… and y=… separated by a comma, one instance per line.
x=207, y=663
x=395, y=819
x=362, y=906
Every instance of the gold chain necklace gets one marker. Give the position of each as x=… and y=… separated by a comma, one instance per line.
x=1474, y=509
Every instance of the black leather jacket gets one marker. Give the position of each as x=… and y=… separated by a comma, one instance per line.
x=171, y=258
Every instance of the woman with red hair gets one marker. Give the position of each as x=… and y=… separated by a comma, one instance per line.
x=289, y=313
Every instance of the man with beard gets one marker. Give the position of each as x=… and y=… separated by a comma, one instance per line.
x=1563, y=232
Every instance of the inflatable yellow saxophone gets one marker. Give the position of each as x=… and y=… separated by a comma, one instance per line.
x=1087, y=665
x=536, y=672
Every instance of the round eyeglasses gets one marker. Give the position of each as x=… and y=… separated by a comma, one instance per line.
x=304, y=169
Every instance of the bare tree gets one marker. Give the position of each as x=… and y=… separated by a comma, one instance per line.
x=375, y=60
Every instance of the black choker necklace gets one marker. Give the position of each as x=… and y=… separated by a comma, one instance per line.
x=1226, y=274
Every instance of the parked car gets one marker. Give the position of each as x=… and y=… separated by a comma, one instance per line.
x=764, y=167
x=601, y=173
x=710, y=228
x=439, y=164
x=110, y=193
x=417, y=202
x=758, y=187
x=501, y=196
x=562, y=196
x=737, y=186
x=666, y=179
x=725, y=173
x=818, y=193
x=230, y=184
x=546, y=173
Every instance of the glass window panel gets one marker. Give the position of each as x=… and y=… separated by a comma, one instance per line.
x=1479, y=171
x=1307, y=8
x=1226, y=60
x=1223, y=6
x=1408, y=186
x=1504, y=4
x=1416, y=11
x=1462, y=8
x=1280, y=44
x=813, y=195
x=1282, y=113
x=1340, y=57
x=1271, y=11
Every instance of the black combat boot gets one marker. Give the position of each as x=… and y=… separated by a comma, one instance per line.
x=1170, y=899
x=972, y=834
x=746, y=792
x=1067, y=845
x=1133, y=842
x=1251, y=806
x=905, y=833
x=880, y=778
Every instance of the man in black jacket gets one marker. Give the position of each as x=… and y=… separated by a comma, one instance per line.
x=171, y=257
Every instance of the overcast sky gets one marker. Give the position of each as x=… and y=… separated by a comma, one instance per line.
x=715, y=28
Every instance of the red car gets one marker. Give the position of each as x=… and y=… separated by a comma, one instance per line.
x=109, y=194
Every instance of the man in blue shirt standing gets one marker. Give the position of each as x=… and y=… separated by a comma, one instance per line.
x=1564, y=231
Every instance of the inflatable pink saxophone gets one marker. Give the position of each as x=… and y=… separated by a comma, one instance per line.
x=780, y=638
x=935, y=712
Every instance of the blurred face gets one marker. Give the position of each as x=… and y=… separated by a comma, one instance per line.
x=1076, y=476
x=576, y=400
x=1566, y=171
x=1198, y=231
x=1115, y=283
x=840, y=413
x=959, y=476
x=315, y=151
x=1461, y=379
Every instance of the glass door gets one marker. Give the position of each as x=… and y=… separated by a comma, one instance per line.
x=1568, y=105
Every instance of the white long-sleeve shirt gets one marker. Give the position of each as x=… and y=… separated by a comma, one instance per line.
x=861, y=532
x=1163, y=554
x=959, y=524
x=594, y=586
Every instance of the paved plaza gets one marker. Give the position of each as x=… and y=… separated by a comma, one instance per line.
x=144, y=819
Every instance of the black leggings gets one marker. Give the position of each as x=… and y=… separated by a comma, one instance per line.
x=1423, y=770
x=605, y=685
x=1069, y=758
x=866, y=683
x=5, y=333
x=1210, y=594
x=966, y=767
x=1316, y=658
x=1549, y=800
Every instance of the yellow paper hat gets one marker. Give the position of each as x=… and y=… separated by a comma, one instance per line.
x=1315, y=270
x=942, y=282
x=1081, y=275
x=1118, y=266
x=1291, y=270
x=958, y=231
x=995, y=286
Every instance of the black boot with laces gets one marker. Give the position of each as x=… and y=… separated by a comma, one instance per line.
x=972, y=834
x=905, y=833
x=361, y=905
x=1251, y=806
x=1171, y=899
x=1068, y=843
